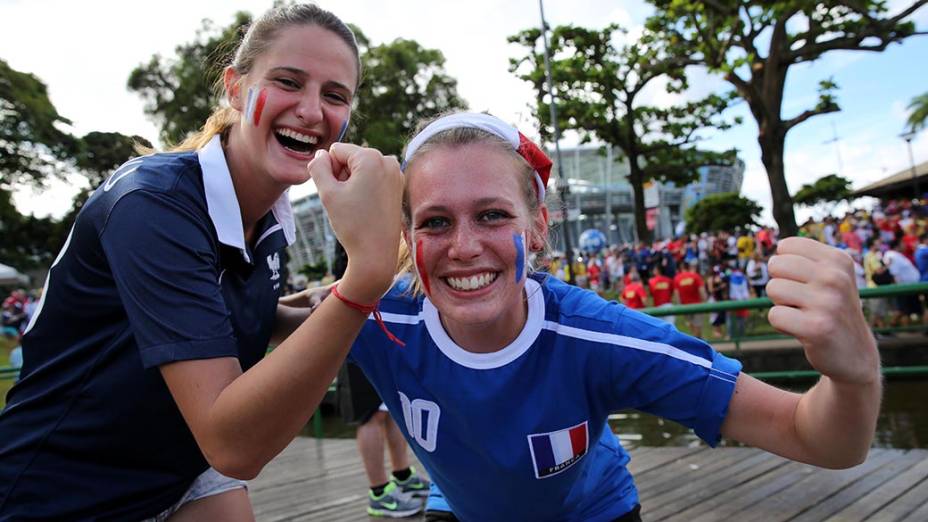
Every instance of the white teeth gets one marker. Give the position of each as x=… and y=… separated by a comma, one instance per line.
x=292, y=134
x=474, y=282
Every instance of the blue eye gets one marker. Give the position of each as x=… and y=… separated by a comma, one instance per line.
x=494, y=215
x=433, y=223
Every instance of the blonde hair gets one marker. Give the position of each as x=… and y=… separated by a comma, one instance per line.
x=453, y=139
x=260, y=36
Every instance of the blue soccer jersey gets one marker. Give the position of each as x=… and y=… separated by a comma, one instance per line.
x=155, y=270
x=521, y=433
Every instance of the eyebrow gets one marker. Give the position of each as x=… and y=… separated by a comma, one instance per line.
x=301, y=72
x=482, y=202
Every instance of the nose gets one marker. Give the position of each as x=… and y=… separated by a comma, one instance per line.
x=465, y=244
x=309, y=110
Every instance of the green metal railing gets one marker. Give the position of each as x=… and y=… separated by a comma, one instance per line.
x=764, y=302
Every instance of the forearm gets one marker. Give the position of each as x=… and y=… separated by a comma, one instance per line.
x=262, y=410
x=287, y=320
x=835, y=421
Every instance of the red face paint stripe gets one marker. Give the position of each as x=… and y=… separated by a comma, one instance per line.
x=259, y=106
x=421, y=268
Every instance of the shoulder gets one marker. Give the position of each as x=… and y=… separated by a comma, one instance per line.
x=573, y=306
x=163, y=180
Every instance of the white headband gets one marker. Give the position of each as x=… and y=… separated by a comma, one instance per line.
x=494, y=126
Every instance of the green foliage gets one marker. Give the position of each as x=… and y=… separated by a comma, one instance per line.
x=827, y=189
x=180, y=92
x=718, y=212
x=31, y=145
x=403, y=83
x=753, y=44
x=918, y=118
x=598, y=86
x=315, y=272
x=28, y=241
x=102, y=152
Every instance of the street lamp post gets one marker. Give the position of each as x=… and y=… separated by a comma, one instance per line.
x=562, y=184
x=907, y=136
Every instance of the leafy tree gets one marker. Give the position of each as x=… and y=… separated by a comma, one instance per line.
x=179, y=92
x=918, y=118
x=827, y=189
x=753, y=44
x=403, y=83
x=725, y=211
x=599, y=88
x=30, y=142
x=100, y=154
x=28, y=241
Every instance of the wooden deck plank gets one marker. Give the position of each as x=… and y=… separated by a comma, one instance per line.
x=897, y=486
x=692, y=500
x=906, y=506
x=897, y=463
x=324, y=481
x=808, y=490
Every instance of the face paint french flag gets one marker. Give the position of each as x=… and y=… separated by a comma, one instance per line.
x=556, y=451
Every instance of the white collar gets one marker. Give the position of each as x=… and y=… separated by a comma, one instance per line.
x=497, y=359
x=222, y=203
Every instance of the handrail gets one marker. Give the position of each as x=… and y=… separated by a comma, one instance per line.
x=765, y=302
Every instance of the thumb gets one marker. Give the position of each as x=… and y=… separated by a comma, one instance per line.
x=320, y=170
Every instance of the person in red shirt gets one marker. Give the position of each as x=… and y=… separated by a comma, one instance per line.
x=634, y=295
x=661, y=288
x=691, y=289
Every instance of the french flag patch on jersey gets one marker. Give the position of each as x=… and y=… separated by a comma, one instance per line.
x=556, y=451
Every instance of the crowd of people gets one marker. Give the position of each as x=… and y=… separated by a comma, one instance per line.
x=889, y=244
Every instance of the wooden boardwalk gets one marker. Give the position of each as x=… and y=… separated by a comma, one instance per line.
x=324, y=481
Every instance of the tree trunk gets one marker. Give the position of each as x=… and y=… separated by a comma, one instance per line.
x=641, y=223
x=772, y=145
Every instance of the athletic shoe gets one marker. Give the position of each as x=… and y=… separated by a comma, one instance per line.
x=414, y=486
x=392, y=503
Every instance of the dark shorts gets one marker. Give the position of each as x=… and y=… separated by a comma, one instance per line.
x=357, y=398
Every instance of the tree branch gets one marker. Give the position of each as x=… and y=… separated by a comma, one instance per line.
x=789, y=124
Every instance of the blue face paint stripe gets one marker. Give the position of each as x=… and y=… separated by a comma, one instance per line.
x=520, y=256
x=344, y=130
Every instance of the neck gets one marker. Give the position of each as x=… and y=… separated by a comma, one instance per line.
x=492, y=336
x=255, y=191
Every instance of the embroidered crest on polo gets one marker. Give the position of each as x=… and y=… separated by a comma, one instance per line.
x=273, y=263
x=523, y=146
x=555, y=451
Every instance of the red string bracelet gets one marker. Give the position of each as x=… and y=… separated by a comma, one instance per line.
x=366, y=310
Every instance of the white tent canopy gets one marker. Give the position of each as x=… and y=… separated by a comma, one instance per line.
x=9, y=276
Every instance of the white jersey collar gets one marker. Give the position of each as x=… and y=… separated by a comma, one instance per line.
x=222, y=203
x=497, y=359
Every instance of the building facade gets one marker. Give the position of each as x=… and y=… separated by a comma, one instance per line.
x=600, y=197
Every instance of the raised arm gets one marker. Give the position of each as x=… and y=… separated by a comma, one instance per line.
x=832, y=424
x=242, y=420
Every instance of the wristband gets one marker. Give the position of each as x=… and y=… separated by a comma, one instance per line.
x=367, y=310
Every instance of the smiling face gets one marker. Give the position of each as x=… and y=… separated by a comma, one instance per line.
x=295, y=99
x=471, y=227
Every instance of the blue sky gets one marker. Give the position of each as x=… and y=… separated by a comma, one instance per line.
x=84, y=53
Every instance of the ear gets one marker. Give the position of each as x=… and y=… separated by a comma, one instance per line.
x=407, y=239
x=232, y=81
x=539, y=230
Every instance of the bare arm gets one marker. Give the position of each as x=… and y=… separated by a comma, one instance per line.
x=832, y=424
x=242, y=420
x=293, y=309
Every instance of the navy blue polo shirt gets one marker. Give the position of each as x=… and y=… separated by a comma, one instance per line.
x=155, y=270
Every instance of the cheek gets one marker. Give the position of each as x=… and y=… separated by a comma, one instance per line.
x=254, y=104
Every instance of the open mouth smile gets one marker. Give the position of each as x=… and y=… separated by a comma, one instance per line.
x=296, y=141
x=472, y=283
